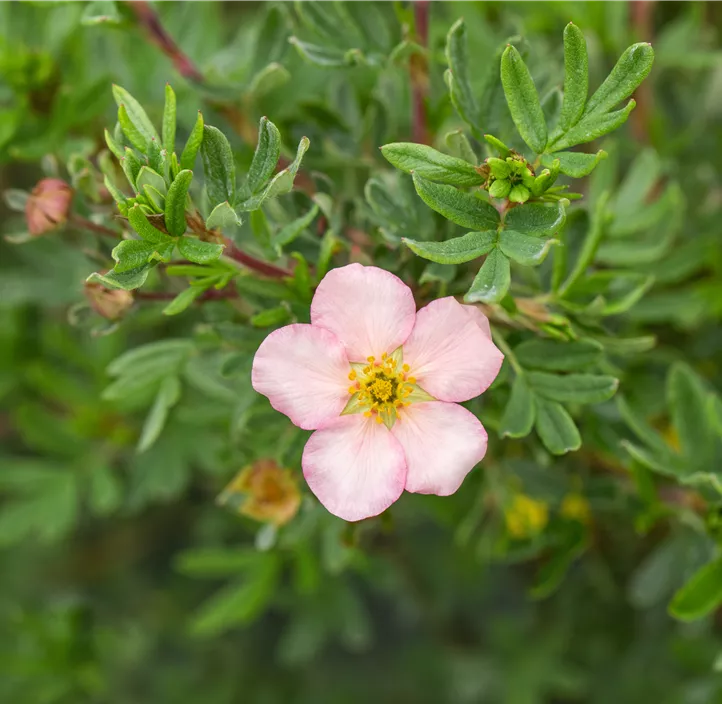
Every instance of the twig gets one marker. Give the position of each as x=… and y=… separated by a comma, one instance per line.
x=419, y=74
x=209, y=295
x=642, y=15
x=150, y=21
x=252, y=263
x=85, y=224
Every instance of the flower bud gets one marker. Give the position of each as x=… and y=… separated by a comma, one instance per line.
x=499, y=167
x=110, y=303
x=519, y=194
x=48, y=206
x=500, y=188
x=264, y=492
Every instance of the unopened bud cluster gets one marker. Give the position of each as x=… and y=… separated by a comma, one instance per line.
x=514, y=178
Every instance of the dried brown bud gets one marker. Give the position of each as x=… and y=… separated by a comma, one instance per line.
x=112, y=304
x=48, y=206
x=264, y=492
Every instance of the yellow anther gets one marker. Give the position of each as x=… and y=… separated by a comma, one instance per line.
x=379, y=420
x=368, y=414
x=352, y=389
x=384, y=355
x=352, y=375
x=371, y=359
x=411, y=380
x=406, y=368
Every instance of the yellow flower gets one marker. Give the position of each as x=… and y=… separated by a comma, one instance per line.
x=264, y=492
x=526, y=517
x=576, y=507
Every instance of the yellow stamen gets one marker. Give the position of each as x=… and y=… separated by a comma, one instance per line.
x=352, y=375
x=411, y=380
x=406, y=368
x=371, y=359
x=352, y=389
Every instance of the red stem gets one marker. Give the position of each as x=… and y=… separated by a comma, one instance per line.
x=210, y=295
x=252, y=263
x=419, y=73
x=150, y=21
x=85, y=224
x=642, y=17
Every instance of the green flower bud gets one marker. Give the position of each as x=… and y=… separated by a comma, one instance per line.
x=500, y=188
x=527, y=178
x=519, y=194
x=499, y=167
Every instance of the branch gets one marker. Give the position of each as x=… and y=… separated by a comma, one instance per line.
x=84, y=224
x=419, y=74
x=209, y=295
x=149, y=20
x=252, y=263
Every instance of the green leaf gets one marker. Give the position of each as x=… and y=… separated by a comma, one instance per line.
x=492, y=282
x=575, y=164
x=134, y=135
x=288, y=233
x=146, y=231
x=199, y=252
x=460, y=147
x=591, y=243
x=271, y=317
x=222, y=216
x=462, y=93
x=687, y=399
x=239, y=603
x=461, y=208
x=281, y=183
x=551, y=573
x=576, y=77
x=518, y=418
x=100, y=12
x=536, y=218
x=169, y=120
x=167, y=396
x=195, y=139
x=142, y=127
x=573, y=388
x=215, y=562
x=558, y=356
x=639, y=426
x=454, y=251
x=126, y=280
x=183, y=300
x=523, y=100
x=266, y=156
x=130, y=165
x=527, y=250
x=219, y=166
x=555, y=427
x=175, y=203
x=431, y=164
x=148, y=177
x=168, y=353
x=131, y=254
x=632, y=68
x=700, y=595
x=327, y=57
x=592, y=127
x=105, y=491
x=269, y=78
x=115, y=148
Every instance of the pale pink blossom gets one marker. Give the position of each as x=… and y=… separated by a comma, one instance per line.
x=380, y=384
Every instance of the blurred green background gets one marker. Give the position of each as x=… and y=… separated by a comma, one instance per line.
x=121, y=578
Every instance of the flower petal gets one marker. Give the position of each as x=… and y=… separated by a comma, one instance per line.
x=442, y=443
x=449, y=353
x=355, y=467
x=479, y=318
x=370, y=310
x=304, y=372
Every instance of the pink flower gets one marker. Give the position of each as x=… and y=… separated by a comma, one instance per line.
x=380, y=384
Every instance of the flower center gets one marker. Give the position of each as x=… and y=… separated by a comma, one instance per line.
x=381, y=388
